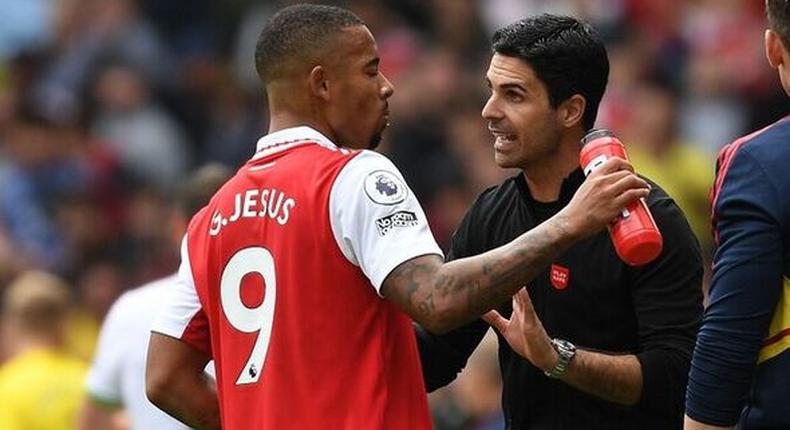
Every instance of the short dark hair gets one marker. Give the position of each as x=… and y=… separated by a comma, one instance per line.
x=778, y=12
x=296, y=33
x=567, y=55
x=199, y=187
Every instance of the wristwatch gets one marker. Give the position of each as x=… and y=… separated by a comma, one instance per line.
x=566, y=351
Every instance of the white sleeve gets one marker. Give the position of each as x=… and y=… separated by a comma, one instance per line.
x=182, y=304
x=376, y=219
x=104, y=378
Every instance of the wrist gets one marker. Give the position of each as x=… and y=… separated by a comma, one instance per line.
x=567, y=225
x=551, y=360
x=565, y=351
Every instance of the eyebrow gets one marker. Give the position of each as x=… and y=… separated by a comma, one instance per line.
x=512, y=85
x=508, y=85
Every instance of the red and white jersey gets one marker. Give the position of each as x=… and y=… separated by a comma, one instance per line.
x=279, y=283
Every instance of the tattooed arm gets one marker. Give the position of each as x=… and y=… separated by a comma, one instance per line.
x=441, y=296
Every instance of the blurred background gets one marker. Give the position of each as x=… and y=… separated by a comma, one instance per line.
x=105, y=105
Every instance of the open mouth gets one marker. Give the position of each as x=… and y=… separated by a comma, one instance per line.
x=502, y=138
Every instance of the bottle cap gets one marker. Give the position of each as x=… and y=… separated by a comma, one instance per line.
x=596, y=133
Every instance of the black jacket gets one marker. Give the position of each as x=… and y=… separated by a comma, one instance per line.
x=651, y=311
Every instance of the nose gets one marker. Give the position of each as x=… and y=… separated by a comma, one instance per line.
x=387, y=89
x=491, y=111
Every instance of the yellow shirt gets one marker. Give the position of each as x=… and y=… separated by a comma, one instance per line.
x=686, y=174
x=82, y=333
x=41, y=390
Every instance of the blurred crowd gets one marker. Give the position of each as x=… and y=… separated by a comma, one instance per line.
x=105, y=105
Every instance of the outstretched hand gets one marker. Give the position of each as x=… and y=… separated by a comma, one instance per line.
x=524, y=332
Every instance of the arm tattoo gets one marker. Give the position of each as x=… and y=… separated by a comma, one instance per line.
x=443, y=296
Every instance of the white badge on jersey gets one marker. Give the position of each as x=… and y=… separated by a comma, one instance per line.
x=385, y=188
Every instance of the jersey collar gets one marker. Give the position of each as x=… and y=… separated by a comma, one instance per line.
x=568, y=188
x=288, y=138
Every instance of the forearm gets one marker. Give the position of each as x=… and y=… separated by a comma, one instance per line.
x=691, y=424
x=175, y=382
x=193, y=401
x=616, y=378
x=444, y=296
x=477, y=284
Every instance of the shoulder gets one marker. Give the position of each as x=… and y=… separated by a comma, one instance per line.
x=666, y=213
x=661, y=204
x=754, y=167
x=374, y=173
x=658, y=196
x=133, y=305
x=766, y=148
x=495, y=197
x=150, y=290
x=145, y=293
x=474, y=233
x=366, y=160
x=495, y=204
x=488, y=206
x=766, y=142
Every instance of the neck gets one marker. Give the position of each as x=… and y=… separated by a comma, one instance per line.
x=544, y=177
x=288, y=112
x=282, y=120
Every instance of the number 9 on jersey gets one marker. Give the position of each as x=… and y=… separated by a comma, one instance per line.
x=250, y=320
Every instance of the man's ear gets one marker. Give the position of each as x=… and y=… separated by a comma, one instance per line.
x=571, y=111
x=318, y=82
x=774, y=49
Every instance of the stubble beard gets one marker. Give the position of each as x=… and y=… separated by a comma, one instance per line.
x=375, y=140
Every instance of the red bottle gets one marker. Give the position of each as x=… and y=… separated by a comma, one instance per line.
x=634, y=233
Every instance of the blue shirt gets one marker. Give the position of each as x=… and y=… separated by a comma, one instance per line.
x=740, y=372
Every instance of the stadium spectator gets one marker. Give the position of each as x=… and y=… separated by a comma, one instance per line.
x=315, y=223
x=657, y=151
x=40, y=385
x=740, y=372
x=146, y=138
x=116, y=379
x=622, y=335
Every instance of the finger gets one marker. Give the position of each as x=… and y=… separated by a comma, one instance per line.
x=523, y=301
x=612, y=165
x=608, y=180
x=630, y=196
x=494, y=319
x=526, y=312
x=629, y=182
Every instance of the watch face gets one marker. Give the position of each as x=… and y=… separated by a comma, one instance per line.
x=564, y=346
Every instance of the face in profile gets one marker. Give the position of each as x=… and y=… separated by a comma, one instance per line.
x=525, y=127
x=358, y=111
x=777, y=54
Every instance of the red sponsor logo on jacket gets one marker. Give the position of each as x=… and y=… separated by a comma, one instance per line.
x=559, y=276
